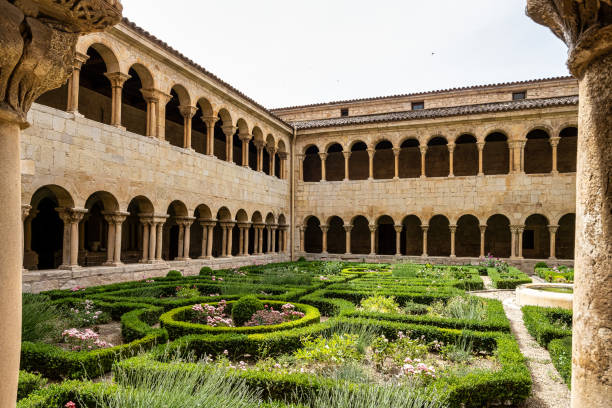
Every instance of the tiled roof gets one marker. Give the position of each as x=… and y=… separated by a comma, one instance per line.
x=416, y=94
x=438, y=112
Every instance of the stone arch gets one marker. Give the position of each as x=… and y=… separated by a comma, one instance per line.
x=172, y=239
x=224, y=119
x=538, y=152
x=567, y=150
x=313, y=236
x=412, y=236
x=438, y=236
x=241, y=216
x=384, y=162
x=496, y=154
x=132, y=239
x=465, y=156
x=409, y=158
x=256, y=217
x=467, y=236
x=257, y=139
x=282, y=220
x=437, y=157
x=105, y=49
x=98, y=234
x=498, y=236
x=334, y=162
x=385, y=235
x=312, y=164
x=536, y=237
x=133, y=103
x=360, y=235
x=359, y=161
x=175, y=121
x=336, y=235
x=95, y=91
x=199, y=128
x=565, y=237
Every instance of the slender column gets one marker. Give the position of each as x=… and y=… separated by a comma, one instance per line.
x=160, y=115
x=323, y=157
x=160, y=239
x=118, y=220
x=398, y=239
x=371, y=163
x=259, y=144
x=451, y=156
x=145, y=240
x=229, y=132
x=283, y=164
x=552, y=229
x=396, y=152
x=152, y=100
x=300, y=165
x=152, y=240
x=483, y=229
x=269, y=232
x=75, y=217
x=210, y=133
x=423, y=150
x=209, y=240
x=480, y=146
x=302, y=248
x=324, y=229
x=64, y=214
x=241, y=240
x=180, y=238
x=187, y=112
x=187, y=237
x=347, y=156
x=110, y=239
x=511, y=168
x=230, y=241
x=245, y=139
x=204, y=239
x=424, y=228
x=372, y=238
x=521, y=151
x=260, y=246
x=74, y=82
x=272, y=153
x=453, y=229
x=273, y=233
x=520, y=229
x=117, y=79
x=513, y=234
x=224, y=241
x=554, y=142
x=347, y=229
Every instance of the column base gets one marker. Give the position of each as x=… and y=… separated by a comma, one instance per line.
x=452, y=256
x=395, y=178
x=69, y=267
x=422, y=176
x=119, y=127
x=345, y=179
x=424, y=255
x=182, y=259
x=552, y=258
x=112, y=263
x=207, y=258
x=480, y=174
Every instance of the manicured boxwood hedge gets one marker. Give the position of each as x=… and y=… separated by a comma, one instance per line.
x=28, y=383
x=540, y=323
x=561, y=355
x=508, y=280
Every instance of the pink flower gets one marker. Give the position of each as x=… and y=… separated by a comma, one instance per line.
x=70, y=404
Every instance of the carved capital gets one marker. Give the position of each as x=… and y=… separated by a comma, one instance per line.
x=229, y=130
x=117, y=79
x=245, y=137
x=25, y=211
x=188, y=111
x=423, y=149
x=346, y=154
x=323, y=155
x=283, y=155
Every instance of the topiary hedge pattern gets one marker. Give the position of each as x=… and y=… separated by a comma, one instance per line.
x=244, y=308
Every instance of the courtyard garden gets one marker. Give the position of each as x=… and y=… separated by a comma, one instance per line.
x=301, y=334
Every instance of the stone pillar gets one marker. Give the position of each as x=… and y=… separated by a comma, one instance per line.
x=229, y=132
x=117, y=79
x=347, y=229
x=347, y=156
x=372, y=238
x=398, y=239
x=300, y=165
x=269, y=232
x=513, y=239
x=554, y=142
x=521, y=152
x=552, y=229
x=423, y=150
x=261, y=248
x=302, y=248
x=230, y=241
x=145, y=239
x=259, y=144
x=187, y=237
x=480, y=146
x=453, y=229
x=71, y=218
x=371, y=163
x=396, y=152
x=187, y=111
x=520, y=229
x=152, y=240
x=64, y=214
x=74, y=82
x=110, y=240
x=323, y=157
x=210, y=133
x=451, y=156
x=209, y=239
x=241, y=240
x=160, y=238
x=223, y=240
x=283, y=167
x=160, y=115
x=181, y=235
x=273, y=234
x=206, y=224
x=424, y=228
x=324, y=229
x=152, y=99
x=272, y=153
x=245, y=139
x=510, y=157
x=483, y=229
x=118, y=220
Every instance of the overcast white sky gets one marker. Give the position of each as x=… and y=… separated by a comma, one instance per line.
x=287, y=52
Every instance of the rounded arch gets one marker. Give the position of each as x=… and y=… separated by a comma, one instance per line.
x=107, y=52
x=133, y=103
x=409, y=159
x=225, y=116
x=538, y=151
x=412, y=235
x=385, y=235
x=109, y=202
x=438, y=236
x=437, y=159
x=467, y=236
x=270, y=219
x=141, y=204
x=224, y=214
x=359, y=161
x=203, y=212
x=336, y=235
x=384, y=161
x=133, y=238
x=205, y=106
x=61, y=196
x=313, y=235
x=567, y=149
x=256, y=218
x=312, y=164
x=565, y=236
x=243, y=127
x=536, y=237
x=281, y=146
x=241, y=216
x=270, y=141
x=183, y=94
x=496, y=154
x=282, y=220
x=144, y=73
x=360, y=235
x=177, y=208
x=498, y=236
x=334, y=162
x=465, y=155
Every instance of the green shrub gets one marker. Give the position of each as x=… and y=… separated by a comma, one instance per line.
x=339, y=348
x=461, y=307
x=547, y=323
x=185, y=292
x=301, y=259
x=507, y=277
x=206, y=271
x=540, y=265
x=561, y=355
x=41, y=320
x=29, y=383
x=245, y=308
x=174, y=274
x=380, y=304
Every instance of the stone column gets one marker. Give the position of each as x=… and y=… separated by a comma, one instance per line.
x=152, y=107
x=520, y=229
x=300, y=165
x=261, y=232
x=269, y=232
x=187, y=111
x=209, y=239
x=210, y=133
x=241, y=240
x=223, y=240
x=283, y=164
x=372, y=238
x=554, y=142
x=272, y=153
x=423, y=150
x=302, y=248
x=187, y=237
x=451, y=156
x=160, y=238
x=323, y=157
x=118, y=220
x=398, y=239
x=245, y=139
x=160, y=115
x=204, y=239
x=324, y=229
x=371, y=163
x=513, y=239
x=347, y=229
x=521, y=152
x=347, y=156
x=117, y=79
x=453, y=229
x=145, y=239
x=259, y=144
x=552, y=229
x=396, y=152
x=424, y=228
x=152, y=240
x=181, y=235
x=230, y=241
x=480, y=146
x=110, y=240
x=76, y=216
x=510, y=157
x=229, y=132
x=30, y=258
x=483, y=229
x=273, y=233
x=74, y=82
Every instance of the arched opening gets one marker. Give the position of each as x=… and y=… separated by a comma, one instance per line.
x=55, y=98
x=256, y=220
x=172, y=239
x=498, y=236
x=538, y=152
x=132, y=238
x=44, y=240
x=566, y=150
x=219, y=139
x=95, y=93
x=412, y=236
x=438, y=236
x=313, y=236
x=336, y=236
x=198, y=131
x=536, y=237
x=437, y=158
x=174, y=119
x=495, y=154
x=237, y=147
x=385, y=236
x=268, y=247
x=133, y=104
x=409, y=159
x=564, y=240
x=257, y=139
x=465, y=156
x=359, y=162
x=199, y=232
x=384, y=162
x=223, y=216
x=360, y=235
x=94, y=246
x=241, y=219
x=277, y=166
x=467, y=236
x=312, y=165
x=334, y=163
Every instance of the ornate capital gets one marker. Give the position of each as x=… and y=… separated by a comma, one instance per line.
x=346, y=154
x=452, y=228
x=451, y=147
x=245, y=137
x=188, y=111
x=554, y=141
x=283, y=155
x=553, y=229
x=117, y=79
x=398, y=227
x=155, y=95
x=585, y=26
x=372, y=227
x=25, y=211
x=323, y=155
x=229, y=130
x=348, y=228
x=396, y=151
x=423, y=149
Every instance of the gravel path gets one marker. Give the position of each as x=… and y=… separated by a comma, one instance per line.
x=549, y=390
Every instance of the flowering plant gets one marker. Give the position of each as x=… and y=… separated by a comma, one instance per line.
x=211, y=315
x=269, y=316
x=87, y=315
x=84, y=340
x=413, y=368
x=185, y=292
